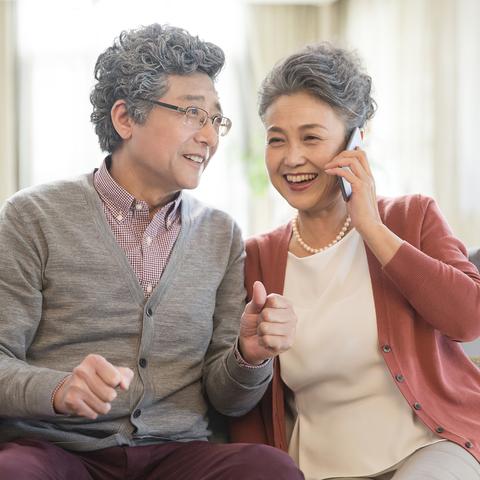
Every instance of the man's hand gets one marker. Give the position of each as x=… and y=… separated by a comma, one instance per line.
x=89, y=390
x=267, y=326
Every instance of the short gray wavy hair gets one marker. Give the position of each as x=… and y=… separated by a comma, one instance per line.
x=331, y=74
x=137, y=66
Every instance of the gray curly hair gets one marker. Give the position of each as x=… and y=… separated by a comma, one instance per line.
x=137, y=66
x=331, y=74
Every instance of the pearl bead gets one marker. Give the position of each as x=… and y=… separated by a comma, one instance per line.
x=310, y=249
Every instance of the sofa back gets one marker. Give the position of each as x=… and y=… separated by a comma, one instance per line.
x=474, y=256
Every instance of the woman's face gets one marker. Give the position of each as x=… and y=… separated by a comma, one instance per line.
x=303, y=134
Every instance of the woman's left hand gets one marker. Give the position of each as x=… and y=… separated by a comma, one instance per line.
x=362, y=205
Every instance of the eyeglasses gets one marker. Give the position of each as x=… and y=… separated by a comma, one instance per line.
x=197, y=117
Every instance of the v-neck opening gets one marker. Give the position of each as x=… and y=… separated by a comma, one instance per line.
x=108, y=237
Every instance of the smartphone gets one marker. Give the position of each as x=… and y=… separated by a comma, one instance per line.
x=355, y=140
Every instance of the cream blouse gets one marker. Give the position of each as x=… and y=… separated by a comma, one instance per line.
x=350, y=418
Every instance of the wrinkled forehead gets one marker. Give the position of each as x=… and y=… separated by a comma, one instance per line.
x=195, y=89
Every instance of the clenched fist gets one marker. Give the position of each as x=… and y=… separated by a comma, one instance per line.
x=267, y=326
x=89, y=390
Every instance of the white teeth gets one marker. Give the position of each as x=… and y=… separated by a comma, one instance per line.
x=300, y=178
x=195, y=158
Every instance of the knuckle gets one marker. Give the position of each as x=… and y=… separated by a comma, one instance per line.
x=116, y=377
x=111, y=394
x=88, y=413
x=275, y=348
x=104, y=408
x=79, y=372
x=92, y=358
x=263, y=328
x=74, y=392
x=267, y=315
x=279, y=301
x=71, y=402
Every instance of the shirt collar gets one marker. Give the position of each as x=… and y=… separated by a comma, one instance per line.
x=120, y=203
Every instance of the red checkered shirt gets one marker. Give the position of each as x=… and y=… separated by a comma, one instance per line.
x=146, y=243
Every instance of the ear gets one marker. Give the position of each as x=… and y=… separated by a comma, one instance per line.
x=121, y=120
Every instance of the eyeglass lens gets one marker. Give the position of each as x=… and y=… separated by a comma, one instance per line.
x=198, y=117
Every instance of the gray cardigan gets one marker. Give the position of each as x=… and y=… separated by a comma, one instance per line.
x=67, y=290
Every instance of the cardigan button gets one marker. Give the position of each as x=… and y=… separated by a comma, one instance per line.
x=137, y=413
x=142, y=362
x=149, y=312
x=439, y=429
x=387, y=348
x=469, y=444
x=417, y=406
x=399, y=378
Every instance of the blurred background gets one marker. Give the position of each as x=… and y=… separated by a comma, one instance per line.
x=423, y=56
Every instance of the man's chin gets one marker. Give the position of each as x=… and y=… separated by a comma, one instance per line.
x=190, y=184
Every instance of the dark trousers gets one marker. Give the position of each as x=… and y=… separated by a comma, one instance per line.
x=40, y=460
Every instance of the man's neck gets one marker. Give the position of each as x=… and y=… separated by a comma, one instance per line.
x=129, y=179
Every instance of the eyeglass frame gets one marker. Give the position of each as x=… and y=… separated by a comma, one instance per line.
x=184, y=110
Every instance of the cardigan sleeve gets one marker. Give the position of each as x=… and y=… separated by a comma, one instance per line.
x=437, y=279
x=256, y=425
x=233, y=389
x=26, y=389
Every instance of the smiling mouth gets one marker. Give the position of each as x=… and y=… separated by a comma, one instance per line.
x=300, y=177
x=195, y=158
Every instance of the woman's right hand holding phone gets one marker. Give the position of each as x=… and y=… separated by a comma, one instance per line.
x=362, y=206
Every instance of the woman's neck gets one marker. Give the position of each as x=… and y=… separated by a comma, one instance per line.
x=318, y=228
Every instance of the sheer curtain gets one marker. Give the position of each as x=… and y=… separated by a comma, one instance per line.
x=56, y=59
x=8, y=163
x=424, y=57
x=274, y=31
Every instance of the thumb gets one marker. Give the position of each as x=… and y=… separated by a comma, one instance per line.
x=259, y=297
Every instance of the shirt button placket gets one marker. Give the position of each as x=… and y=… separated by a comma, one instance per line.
x=142, y=362
x=137, y=413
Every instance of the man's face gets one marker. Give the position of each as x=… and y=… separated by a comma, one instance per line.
x=166, y=153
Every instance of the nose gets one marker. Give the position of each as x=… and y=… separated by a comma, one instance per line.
x=294, y=156
x=207, y=135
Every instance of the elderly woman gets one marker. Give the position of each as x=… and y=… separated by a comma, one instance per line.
x=376, y=384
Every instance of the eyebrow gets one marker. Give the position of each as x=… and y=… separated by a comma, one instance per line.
x=200, y=98
x=302, y=127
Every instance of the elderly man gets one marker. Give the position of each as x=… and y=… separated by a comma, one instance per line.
x=121, y=296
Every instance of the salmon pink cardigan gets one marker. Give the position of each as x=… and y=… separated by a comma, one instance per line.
x=427, y=299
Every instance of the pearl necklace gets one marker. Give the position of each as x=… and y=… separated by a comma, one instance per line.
x=310, y=249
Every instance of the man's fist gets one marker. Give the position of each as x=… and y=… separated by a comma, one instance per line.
x=267, y=326
x=89, y=390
